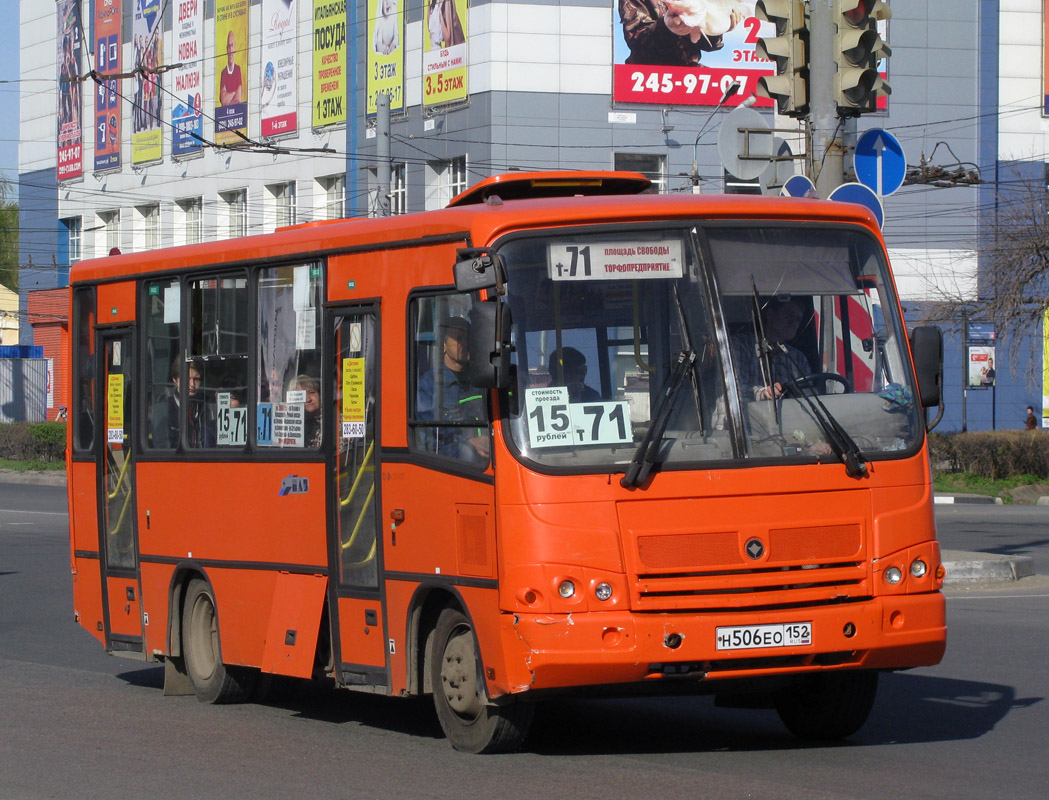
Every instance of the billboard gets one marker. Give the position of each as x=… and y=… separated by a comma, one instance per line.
x=687, y=52
x=231, y=71
x=445, y=56
x=385, y=52
x=329, y=62
x=981, y=371
x=70, y=99
x=108, y=47
x=279, y=77
x=146, y=133
x=187, y=112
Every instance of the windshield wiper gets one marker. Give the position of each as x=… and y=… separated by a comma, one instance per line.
x=648, y=450
x=841, y=442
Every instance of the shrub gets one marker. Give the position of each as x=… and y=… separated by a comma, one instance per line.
x=33, y=441
x=992, y=454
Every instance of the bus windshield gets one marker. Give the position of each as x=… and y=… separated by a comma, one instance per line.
x=730, y=343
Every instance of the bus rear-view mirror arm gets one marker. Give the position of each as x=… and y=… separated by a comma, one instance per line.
x=478, y=268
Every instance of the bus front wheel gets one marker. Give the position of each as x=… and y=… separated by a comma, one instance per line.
x=471, y=724
x=828, y=706
x=213, y=682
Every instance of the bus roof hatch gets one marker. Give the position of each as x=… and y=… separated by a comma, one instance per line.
x=530, y=185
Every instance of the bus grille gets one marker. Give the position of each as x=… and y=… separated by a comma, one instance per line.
x=711, y=570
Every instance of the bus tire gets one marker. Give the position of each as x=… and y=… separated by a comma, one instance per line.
x=213, y=682
x=471, y=724
x=828, y=706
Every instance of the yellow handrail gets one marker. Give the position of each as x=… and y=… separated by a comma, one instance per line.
x=120, y=478
x=360, y=518
x=360, y=471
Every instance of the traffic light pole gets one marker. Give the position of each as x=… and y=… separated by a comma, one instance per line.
x=826, y=142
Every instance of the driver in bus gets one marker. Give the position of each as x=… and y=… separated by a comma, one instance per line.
x=781, y=319
x=445, y=394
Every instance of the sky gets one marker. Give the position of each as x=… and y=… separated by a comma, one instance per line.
x=9, y=89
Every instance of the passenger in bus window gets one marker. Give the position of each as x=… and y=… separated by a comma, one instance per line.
x=781, y=319
x=568, y=368
x=312, y=417
x=445, y=395
x=165, y=413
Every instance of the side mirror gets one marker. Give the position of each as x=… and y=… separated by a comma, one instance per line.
x=927, y=350
x=478, y=268
x=489, y=345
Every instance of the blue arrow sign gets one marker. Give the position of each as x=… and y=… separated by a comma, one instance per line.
x=879, y=162
x=861, y=195
x=797, y=186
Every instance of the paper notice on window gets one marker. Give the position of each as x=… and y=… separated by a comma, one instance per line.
x=115, y=409
x=306, y=329
x=615, y=260
x=301, y=288
x=353, y=398
x=289, y=424
x=172, y=304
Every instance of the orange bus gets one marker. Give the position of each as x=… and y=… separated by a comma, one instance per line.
x=563, y=434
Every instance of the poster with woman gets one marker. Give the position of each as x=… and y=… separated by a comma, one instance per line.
x=445, y=57
x=385, y=52
x=146, y=133
x=70, y=99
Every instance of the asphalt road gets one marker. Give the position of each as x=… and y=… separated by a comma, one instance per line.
x=75, y=723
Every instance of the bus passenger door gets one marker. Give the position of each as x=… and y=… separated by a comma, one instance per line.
x=118, y=547
x=359, y=650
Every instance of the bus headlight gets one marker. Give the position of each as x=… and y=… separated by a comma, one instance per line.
x=893, y=575
x=919, y=568
x=566, y=589
x=603, y=591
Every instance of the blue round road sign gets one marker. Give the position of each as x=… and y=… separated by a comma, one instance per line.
x=879, y=161
x=862, y=195
x=797, y=186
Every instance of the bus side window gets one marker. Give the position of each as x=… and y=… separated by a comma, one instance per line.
x=84, y=387
x=449, y=416
x=288, y=407
x=163, y=305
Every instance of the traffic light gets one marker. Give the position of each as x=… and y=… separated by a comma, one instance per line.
x=858, y=47
x=787, y=50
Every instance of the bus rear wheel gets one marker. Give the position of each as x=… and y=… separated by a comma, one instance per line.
x=828, y=706
x=471, y=724
x=213, y=681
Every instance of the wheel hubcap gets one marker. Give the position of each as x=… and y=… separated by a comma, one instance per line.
x=459, y=675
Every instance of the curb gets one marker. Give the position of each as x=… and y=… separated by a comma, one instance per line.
x=972, y=499
x=968, y=569
x=55, y=478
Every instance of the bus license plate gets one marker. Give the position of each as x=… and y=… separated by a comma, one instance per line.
x=749, y=637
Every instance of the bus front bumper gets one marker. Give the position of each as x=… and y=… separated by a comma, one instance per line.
x=548, y=651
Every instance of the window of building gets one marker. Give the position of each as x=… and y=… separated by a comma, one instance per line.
x=149, y=219
x=334, y=188
x=282, y=196
x=651, y=166
x=190, y=231
x=289, y=402
x=399, y=190
x=236, y=204
x=74, y=232
x=449, y=416
x=445, y=179
x=109, y=221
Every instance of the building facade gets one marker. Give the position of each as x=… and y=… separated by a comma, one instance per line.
x=209, y=120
